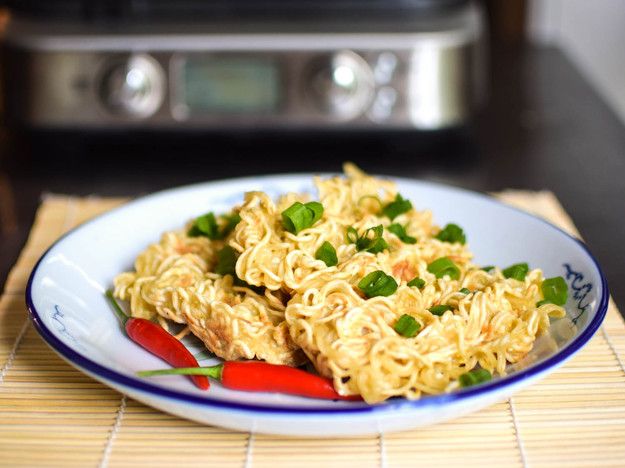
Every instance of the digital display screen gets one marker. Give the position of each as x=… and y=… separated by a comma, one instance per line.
x=235, y=85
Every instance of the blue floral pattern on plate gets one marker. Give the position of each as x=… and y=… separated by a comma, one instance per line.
x=581, y=290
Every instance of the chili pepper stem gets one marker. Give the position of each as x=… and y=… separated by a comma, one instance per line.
x=121, y=315
x=214, y=372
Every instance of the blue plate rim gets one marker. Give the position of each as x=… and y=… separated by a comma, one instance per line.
x=140, y=385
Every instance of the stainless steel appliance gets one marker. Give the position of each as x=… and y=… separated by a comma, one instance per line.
x=403, y=71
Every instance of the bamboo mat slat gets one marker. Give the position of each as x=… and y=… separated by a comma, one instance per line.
x=53, y=415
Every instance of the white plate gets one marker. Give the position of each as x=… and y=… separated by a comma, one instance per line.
x=67, y=305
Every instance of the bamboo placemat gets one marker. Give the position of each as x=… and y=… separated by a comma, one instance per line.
x=53, y=415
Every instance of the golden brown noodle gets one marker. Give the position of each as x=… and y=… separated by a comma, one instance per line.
x=307, y=304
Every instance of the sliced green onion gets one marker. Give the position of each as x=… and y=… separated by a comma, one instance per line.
x=378, y=283
x=399, y=206
x=416, y=282
x=205, y=225
x=317, y=210
x=376, y=230
x=378, y=245
x=488, y=268
x=371, y=241
x=327, y=254
x=300, y=216
x=352, y=235
x=367, y=240
x=231, y=222
x=296, y=217
x=465, y=291
x=474, y=377
x=226, y=261
x=444, y=266
x=439, y=309
x=555, y=291
x=400, y=232
x=452, y=233
x=372, y=197
x=517, y=271
x=407, y=326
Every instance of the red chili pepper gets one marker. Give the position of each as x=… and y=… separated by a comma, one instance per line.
x=158, y=341
x=257, y=376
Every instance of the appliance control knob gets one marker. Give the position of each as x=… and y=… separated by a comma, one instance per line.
x=341, y=85
x=133, y=86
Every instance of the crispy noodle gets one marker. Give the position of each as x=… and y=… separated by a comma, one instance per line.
x=303, y=307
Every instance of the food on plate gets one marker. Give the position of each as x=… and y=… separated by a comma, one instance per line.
x=177, y=279
x=359, y=282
